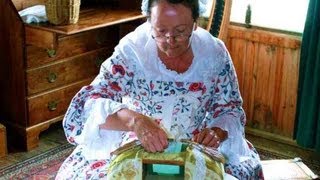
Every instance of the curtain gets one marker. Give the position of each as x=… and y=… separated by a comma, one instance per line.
x=307, y=125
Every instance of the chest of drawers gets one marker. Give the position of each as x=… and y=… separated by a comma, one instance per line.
x=43, y=66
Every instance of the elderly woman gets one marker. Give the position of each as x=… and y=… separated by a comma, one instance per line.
x=168, y=78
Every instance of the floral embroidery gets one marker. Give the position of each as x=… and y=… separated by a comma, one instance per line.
x=118, y=69
x=114, y=86
x=198, y=87
x=97, y=164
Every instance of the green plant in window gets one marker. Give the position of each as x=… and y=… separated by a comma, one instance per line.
x=248, y=16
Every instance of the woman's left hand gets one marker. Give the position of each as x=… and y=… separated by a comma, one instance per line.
x=210, y=137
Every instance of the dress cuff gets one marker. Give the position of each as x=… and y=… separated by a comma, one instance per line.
x=96, y=142
x=235, y=145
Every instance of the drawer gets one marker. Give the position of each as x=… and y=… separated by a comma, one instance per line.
x=66, y=71
x=71, y=45
x=54, y=103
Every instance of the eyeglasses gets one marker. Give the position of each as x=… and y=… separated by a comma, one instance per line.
x=178, y=38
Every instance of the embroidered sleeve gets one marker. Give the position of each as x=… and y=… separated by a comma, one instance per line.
x=226, y=111
x=226, y=100
x=93, y=103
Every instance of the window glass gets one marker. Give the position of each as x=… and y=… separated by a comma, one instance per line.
x=286, y=15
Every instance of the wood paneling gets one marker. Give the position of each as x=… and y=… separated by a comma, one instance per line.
x=267, y=65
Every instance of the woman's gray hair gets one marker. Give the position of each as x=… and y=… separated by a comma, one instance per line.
x=198, y=7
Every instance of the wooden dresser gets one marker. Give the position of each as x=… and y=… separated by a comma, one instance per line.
x=43, y=66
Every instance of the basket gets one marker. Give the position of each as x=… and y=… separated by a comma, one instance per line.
x=62, y=12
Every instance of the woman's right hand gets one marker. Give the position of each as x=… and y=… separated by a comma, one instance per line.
x=152, y=137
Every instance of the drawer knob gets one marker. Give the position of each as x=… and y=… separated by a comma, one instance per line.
x=52, y=77
x=51, y=53
x=52, y=105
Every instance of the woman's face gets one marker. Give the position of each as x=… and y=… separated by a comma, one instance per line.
x=172, y=25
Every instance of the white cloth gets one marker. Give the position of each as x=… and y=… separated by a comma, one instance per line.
x=229, y=177
x=34, y=14
x=97, y=142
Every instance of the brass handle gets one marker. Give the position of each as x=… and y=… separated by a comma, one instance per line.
x=52, y=77
x=51, y=52
x=52, y=105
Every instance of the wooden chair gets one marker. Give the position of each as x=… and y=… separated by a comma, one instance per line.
x=219, y=19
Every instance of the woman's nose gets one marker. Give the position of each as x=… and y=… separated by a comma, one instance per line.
x=171, y=39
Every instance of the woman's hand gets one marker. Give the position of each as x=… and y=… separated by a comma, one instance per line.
x=210, y=137
x=151, y=136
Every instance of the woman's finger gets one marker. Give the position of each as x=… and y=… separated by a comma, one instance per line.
x=157, y=146
x=152, y=148
x=203, y=137
x=200, y=137
x=209, y=136
x=163, y=139
x=153, y=139
x=215, y=141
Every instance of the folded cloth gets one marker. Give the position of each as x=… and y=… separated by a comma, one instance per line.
x=34, y=14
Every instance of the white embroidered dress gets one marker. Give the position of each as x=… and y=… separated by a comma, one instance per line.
x=206, y=95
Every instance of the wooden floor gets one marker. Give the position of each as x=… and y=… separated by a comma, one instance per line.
x=280, y=145
x=283, y=147
x=54, y=137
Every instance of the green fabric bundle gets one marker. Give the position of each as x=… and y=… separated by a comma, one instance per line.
x=182, y=160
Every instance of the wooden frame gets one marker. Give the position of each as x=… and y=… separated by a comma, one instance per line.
x=219, y=18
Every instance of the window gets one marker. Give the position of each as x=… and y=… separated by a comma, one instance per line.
x=288, y=15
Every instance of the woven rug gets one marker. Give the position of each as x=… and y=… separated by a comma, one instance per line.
x=43, y=166
x=46, y=165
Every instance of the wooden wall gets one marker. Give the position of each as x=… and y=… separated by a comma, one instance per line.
x=267, y=65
